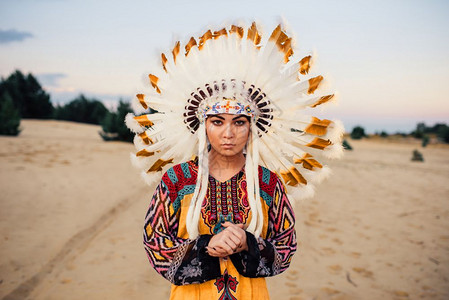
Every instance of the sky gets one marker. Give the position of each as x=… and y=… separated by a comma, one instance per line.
x=388, y=60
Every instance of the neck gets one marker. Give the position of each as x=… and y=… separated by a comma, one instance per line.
x=223, y=163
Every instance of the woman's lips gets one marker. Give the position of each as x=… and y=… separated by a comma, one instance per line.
x=227, y=145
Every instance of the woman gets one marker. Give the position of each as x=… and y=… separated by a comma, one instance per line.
x=219, y=223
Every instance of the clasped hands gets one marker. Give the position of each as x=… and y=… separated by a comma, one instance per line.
x=229, y=241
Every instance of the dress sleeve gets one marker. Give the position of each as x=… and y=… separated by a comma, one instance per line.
x=270, y=256
x=181, y=261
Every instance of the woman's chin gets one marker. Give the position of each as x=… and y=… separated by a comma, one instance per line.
x=229, y=152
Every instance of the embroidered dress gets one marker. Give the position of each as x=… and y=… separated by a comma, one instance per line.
x=185, y=263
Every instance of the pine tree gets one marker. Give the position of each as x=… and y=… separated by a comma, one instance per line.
x=27, y=95
x=9, y=116
x=113, y=124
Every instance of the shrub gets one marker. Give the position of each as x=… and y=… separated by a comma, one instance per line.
x=425, y=140
x=417, y=156
x=346, y=145
x=113, y=125
x=357, y=133
x=443, y=133
x=9, y=116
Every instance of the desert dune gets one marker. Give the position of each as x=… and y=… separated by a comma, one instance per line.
x=72, y=209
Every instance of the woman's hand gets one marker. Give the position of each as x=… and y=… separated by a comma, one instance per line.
x=230, y=240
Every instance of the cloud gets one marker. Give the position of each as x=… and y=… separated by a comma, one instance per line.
x=50, y=79
x=12, y=35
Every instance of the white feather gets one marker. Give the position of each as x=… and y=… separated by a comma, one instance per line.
x=137, y=107
x=132, y=124
x=334, y=151
x=301, y=193
x=151, y=178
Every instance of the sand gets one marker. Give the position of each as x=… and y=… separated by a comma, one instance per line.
x=72, y=208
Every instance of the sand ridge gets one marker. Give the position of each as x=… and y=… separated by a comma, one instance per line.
x=72, y=209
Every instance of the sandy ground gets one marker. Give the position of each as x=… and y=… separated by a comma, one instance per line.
x=72, y=206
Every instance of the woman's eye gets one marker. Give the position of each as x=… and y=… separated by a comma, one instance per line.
x=239, y=122
x=216, y=122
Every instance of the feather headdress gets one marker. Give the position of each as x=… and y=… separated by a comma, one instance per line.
x=236, y=63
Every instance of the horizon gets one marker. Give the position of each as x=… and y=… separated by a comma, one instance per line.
x=390, y=66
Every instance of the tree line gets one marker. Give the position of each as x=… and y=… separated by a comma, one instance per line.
x=21, y=96
x=422, y=131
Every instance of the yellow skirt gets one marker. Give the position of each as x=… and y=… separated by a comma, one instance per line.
x=230, y=286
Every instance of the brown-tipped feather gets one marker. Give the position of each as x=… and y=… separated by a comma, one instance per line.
x=253, y=34
x=219, y=33
x=308, y=162
x=314, y=83
x=204, y=38
x=141, y=98
x=304, y=65
x=153, y=81
x=319, y=143
x=283, y=42
x=143, y=120
x=293, y=177
x=322, y=100
x=276, y=33
x=145, y=138
x=281, y=38
x=164, y=61
x=175, y=51
x=317, y=126
x=287, y=49
x=159, y=164
x=238, y=30
x=144, y=153
x=190, y=44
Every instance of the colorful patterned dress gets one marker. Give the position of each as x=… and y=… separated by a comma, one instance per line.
x=185, y=263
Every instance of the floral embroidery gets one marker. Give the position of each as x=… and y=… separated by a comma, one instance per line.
x=262, y=269
x=193, y=269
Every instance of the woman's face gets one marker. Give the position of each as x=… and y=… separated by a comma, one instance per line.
x=227, y=133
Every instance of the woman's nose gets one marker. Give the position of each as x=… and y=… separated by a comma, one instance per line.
x=228, y=131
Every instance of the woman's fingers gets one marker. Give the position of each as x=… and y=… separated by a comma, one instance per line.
x=228, y=245
x=211, y=251
x=232, y=239
x=237, y=230
x=239, y=227
x=233, y=234
x=223, y=241
x=243, y=226
x=217, y=252
x=229, y=241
